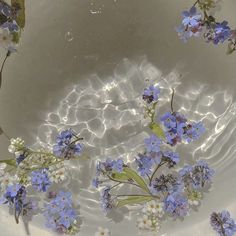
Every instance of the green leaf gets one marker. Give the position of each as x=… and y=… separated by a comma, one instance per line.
x=9, y=162
x=120, y=176
x=133, y=200
x=156, y=129
x=21, y=17
x=134, y=176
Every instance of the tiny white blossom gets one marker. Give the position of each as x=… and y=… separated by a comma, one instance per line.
x=57, y=173
x=193, y=202
x=17, y=145
x=144, y=223
x=103, y=232
x=153, y=207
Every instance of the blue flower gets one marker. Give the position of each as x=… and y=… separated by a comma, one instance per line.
x=151, y=94
x=117, y=165
x=15, y=196
x=218, y=33
x=166, y=184
x=66, y=145
x=176, y=204
x=40, y=180
x=191, y=18
x=11, y=26
x=193, y=132
x=95, y=182
x=106, y=200
x=223, y=224
x=171, y=157
x=191, y=24
x=59, y=213
x=168, y=120
x=144, y=164
x=152, y=143
x=67, y=217
x=197, y=176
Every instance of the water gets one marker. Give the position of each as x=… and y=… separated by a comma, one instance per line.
x=86, y=71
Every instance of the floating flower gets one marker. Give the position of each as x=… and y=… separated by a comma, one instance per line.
x=15, y=196
x=103, y=232
x=59, y=213
x=177, y=205
x=145, y=164
x=172, y=158
x=40, y=180
x=67, y=145
x=152, y=143
x=223, y=224
x=191, y=24
x=218, y=33
x=17, y=145
x=197, y=176
x=151, y=94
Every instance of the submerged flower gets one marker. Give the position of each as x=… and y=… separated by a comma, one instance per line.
x=176, y=204
x=151, y=94
x=152, y=143
x=40, y=180
x=67, y=145
x=107, y=203
x=223, y=224
x=169, y=120
x=103, y=232
x=197, y=176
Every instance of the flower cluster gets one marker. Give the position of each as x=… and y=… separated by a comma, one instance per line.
x=67, y=145
x=10, y=29
x=15, y=197
x=177, y=129
x=152, y=213
x=197, y=176
x=40, y=180
x=164, y=192
x=60, y=214
x=223, y=224
x=194, y=24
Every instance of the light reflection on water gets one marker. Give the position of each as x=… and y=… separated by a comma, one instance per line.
x=108, y=114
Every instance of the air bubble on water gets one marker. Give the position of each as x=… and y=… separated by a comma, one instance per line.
x=69, y=36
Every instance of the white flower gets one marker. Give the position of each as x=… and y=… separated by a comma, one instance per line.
x=154, y=207
x=193, y=202
x=102, y=232
x=144, y=223
x=16, y=146
x=57, y=173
